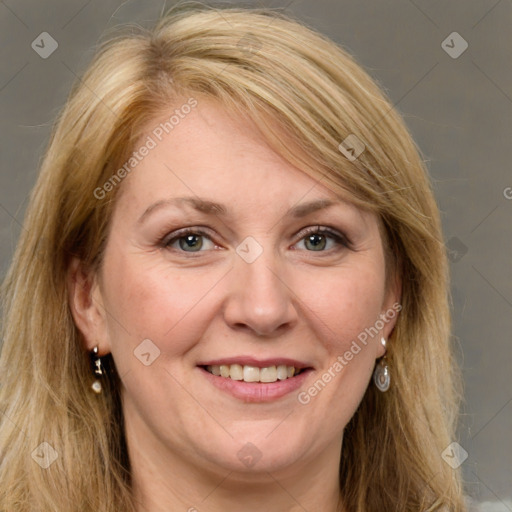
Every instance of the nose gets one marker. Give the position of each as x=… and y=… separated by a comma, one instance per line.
x=259, y=300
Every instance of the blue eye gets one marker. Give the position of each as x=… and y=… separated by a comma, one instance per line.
x=188, y=239
x=315, y=240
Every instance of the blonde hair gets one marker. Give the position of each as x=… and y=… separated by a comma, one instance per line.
x=288, y=79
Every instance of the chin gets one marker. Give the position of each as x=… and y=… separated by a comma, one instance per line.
x=260, y=453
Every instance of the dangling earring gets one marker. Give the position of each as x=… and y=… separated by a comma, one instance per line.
x=98, y=371
x=381, y=375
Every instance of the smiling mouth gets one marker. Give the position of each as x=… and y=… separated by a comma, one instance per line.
x=248, y=373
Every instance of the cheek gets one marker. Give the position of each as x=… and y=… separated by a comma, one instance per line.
x=344, y=319
x=345, y=310
x=340, y=304
x=346, y=303
x=151, y=301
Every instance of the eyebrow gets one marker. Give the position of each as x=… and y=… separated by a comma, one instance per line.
x=213, y=208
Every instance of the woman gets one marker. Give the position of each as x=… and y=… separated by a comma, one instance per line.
x=232, y=291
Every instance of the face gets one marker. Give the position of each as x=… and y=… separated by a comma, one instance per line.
x=280, y=276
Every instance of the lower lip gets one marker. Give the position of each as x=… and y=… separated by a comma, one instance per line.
x=257, y=391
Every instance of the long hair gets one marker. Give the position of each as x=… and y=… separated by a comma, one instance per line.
x=289, y=79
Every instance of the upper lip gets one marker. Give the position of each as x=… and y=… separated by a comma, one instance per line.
x=253, y=361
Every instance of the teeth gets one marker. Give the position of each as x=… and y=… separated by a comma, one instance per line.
x=249, y=373
x=236, y=372
x=282, y=372
x=268, y=374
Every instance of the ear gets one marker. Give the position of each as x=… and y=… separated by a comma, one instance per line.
x=86, y=304
x=391, y=308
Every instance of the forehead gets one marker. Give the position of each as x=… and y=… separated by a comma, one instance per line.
x=211, y=145
x=215, y=154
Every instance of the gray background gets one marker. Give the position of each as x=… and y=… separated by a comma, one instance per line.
x=458, y=109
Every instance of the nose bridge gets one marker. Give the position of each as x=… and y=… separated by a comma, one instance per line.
x=259, y=297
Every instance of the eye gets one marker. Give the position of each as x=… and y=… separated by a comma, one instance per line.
x=189, y=240
x=315, y=239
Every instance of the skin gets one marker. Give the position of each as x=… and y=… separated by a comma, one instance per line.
x=293, y=301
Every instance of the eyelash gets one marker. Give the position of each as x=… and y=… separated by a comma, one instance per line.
x=340, y=240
